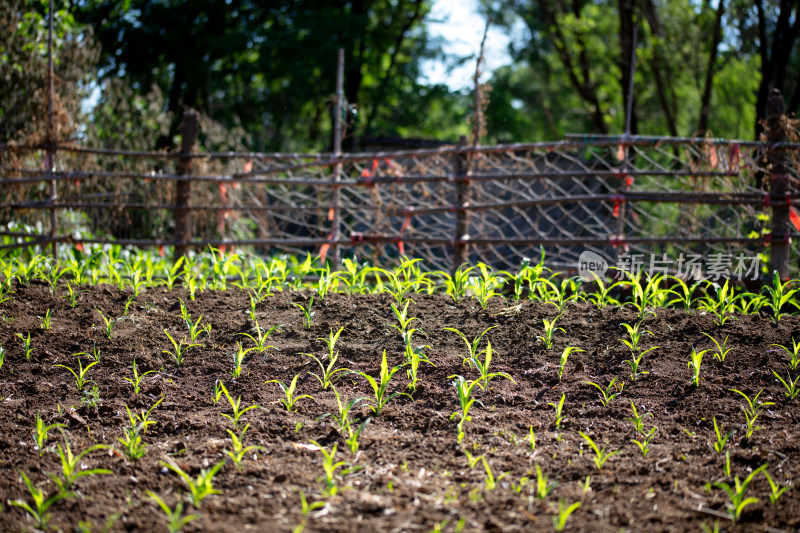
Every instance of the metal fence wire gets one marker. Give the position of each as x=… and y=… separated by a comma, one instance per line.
x=615, y=196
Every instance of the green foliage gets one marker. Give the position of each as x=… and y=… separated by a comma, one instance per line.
x=606, y=394
x=289, y=399
x=71, y=470
x=600, y=455
x=736, y=493
x=175, y=518
x=80, y=374
x=380, y=385
x=202, y=486
x=38, y=511
x=328, y=373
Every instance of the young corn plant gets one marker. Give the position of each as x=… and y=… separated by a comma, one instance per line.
x=239, y=450
x=305, y=510
x=490, y=481
x=235, y=407
x=558, y=295
x=606, y=394
x=239, y=355
x=180, y=348
x=328, y=373
x=646, y=439
x=456, y=285
x=308, y=314
x=472, y=346
x=195, y=329
x=414, y=356
x=175, y=517
x=26, y=344
x=635, y=337
x=134, y=446
x=137, y=378
x=775, y=489
x=559, y=408
x=353, y=277
x=752, y=410
x=644, y=296
x=543, y=486
x=779, y=295
x=722, y=437
x=484, y=285
x=483, y=368
x=110, y=323
x=564, y=357
x=721, y=304
x=402, y=318
x=736, y=493
x=792, y=390
x=38, y=511
x=44, y=321
x=80, y=374
x=95, y=355
x=564, y=512
x=601, y=297
x=71, y=470
x=2, y=356
x=685, y=297
x=549, y=331
x=637, y=419
x=794, y=353
x=695, y=360
x=261, y=338
x=290, y=400
x=329, y=468
x=40, y=433
x=380, y=385
x=203, y=485
x=352, y=435
x=722, y=349
x=464, y=390
x=600, y=455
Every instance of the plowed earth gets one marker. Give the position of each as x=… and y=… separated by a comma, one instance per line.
x=413, y=474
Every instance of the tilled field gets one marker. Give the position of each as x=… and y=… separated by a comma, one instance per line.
x=409, y=473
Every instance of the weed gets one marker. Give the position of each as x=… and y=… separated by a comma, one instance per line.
x=290, y=399
x=90, y=397
x=736, y=493
x=564, y=512
x=80, y=375
x=564, y=356
x=600, y=455
x=202, y=486
x=722, y=349
x=605, y=393
x=752, y=410
x=792, y=390
x=379, y=387
x=40, y=505
x=175, y=518
x=137, y=378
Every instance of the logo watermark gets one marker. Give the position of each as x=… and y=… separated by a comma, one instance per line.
x=685, y=266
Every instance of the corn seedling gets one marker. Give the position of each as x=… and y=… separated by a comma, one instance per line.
x=185, y=314
x=779, y=295
x=644, y=444
x=179, y=347
x=70, y=465
x=695, y=360
x=531, y=439
x=144, y=418
x=794, y=353
x=472, y=460
x=564, y=356
x=235, y=407
x=721, y=304
x=95, y=355
x=134, y=446
x=2, y=356
x=329, y=468
x=456, y=285
x=239, y=449
x=379, y=387
x=464, y=390
x=600, y=455
x=239, y=355
x=564, y=512
x=606, y=394
x=402, y=317
x=40, y=432
x=559, y=408
x=472, y=346
x=195, y=329
x=110, y=323
x=289, y=399
x=305, y=510
x=483, y=368
x=308, y=314
x=44, y=321
x=722, y=438
x=253, y=303
x=792, y=390
x=737, y=491
x=202, y=486
x=752, y=410
x=601, y=297
x=328, y=373
x=217, y=391
x=342, y=416
x=722, y=349
x=707, y=529
x=175, y=518
x=80, y=375
x=490, y=481
x=635, y=361
x=353, y=277
x=137, y=378
x=543, y=487
x=261, y=338
x=644, y=295
x=638, y=420
x=519, y=278
x=557, y=295
x=635, y=337
x=38, y=511
x=685, y=297
x=549, y=331
x=484, y=285
x=352, y=435
x=26, y=344
x=414, y=356
x=776, y=490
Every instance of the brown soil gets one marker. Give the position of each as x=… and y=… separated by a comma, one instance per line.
x=413, y=474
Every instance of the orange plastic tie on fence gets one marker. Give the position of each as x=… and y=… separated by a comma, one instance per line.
x=406, y=221
x=617, y=199
x=79, y=246
x=794, y=216
x=734, y=152
x=161, y=250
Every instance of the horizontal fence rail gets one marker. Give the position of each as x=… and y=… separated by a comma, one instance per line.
x=615, y=196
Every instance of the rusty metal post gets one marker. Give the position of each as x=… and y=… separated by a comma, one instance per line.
x=51, y=136
x=337, y=167
x=460, y=169
x=779, y=185
x=183, y=188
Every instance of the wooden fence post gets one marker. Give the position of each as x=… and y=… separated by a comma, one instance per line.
x=779, y=185
x=460, y=169
x=183, y=188
x=51, y=136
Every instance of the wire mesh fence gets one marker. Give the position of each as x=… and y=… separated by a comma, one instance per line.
x=496, y=204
